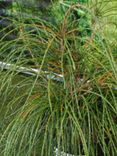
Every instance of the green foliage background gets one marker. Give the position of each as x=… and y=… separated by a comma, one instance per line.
x=78, y=115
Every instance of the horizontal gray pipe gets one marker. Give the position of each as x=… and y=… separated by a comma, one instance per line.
x=30, y=71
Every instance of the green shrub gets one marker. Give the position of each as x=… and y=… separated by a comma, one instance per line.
x=78, y=115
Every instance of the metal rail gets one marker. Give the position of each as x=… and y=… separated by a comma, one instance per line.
x=30, y=71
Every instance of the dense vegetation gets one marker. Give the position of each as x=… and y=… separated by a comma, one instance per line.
x=76, y=111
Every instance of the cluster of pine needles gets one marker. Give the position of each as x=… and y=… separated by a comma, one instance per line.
x=77, y=115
